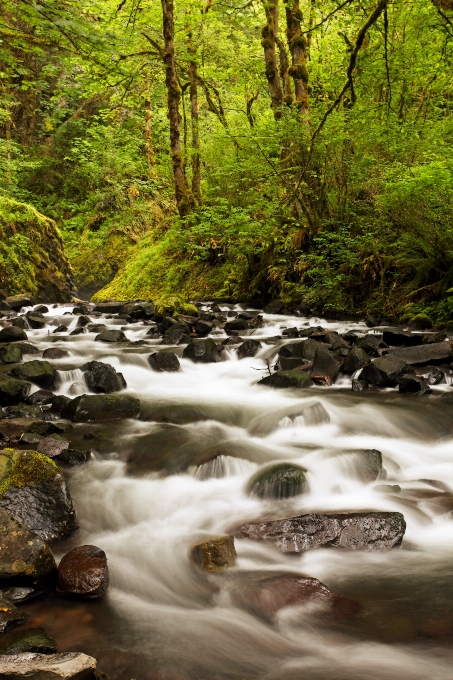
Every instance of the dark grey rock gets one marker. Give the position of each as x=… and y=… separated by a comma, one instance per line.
x=248, y=348
x=274, y=307
x=18, y=301
x=236, y=325
x=325, y=364
x=102, y=378
x=55, y=353
x=12, y=334
x=369, y=343
x=438, y=352
x=384, y=371
x=359, y=385
x=201, y=351
x=356, y=358
x=371, y=531
x=101, y=407
x=111, y=336
x=74, y=457
x=282, y=379
x=410, y=383
x=396, y=338
x=109, y=307
x=164, y=361
x=35, y=320
x=38, y=372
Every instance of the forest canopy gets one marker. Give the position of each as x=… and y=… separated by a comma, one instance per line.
x=238, y=148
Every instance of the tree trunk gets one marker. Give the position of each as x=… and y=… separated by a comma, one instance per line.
x=196, y=176
x=149, y=133
x=297, y=46
x=269, y=35
x=182, y=194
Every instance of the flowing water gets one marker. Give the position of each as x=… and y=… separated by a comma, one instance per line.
x=162, y=619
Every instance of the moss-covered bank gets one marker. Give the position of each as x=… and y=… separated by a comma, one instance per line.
x=32, y=257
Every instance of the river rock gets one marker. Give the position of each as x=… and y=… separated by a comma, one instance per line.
x=27, y=348
x=59, y=401
x=102, y=378
x=356, y=358
x=369, y=343
x=359, y=385
x=10, y=616
x=248, y=349
x=365, y=465
x=282, y=379
x=203, y=327
x=13, y=391
x=33, y=491
x=439, y=352
x=111, y=336
x=164, y=361
x=384, y=371
x=372, y=531
x=36, y=320
x=83, y=320
x=38, y=372
x=282, y=480
x=215, y=554
x=291, y=363
x=33, y=640
x=237, y=325
x=325, y=364
x=265, y=594
x=274, y=307
x=74, y=456
x=109, y=307
x=12, y=334
x=415, y=384
x=18, y=301
x=40, y=397
x=60, y=329
x=24, y=557
x=69, y=666
x=52, y=446
x=201, y=351
x=83, y=572
x=397, y=338
x=55, y=353
x=10, y=354
x=88, y=407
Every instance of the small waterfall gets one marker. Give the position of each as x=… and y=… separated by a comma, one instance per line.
x=224, y=466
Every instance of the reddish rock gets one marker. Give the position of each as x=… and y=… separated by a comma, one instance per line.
x=216, y=554
x=271, y=593
x=83, y=572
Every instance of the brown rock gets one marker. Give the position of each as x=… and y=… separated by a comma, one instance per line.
x=10, y=615
x=215, y=554
x=83, y=572
x=28, y=666
x=372, y=531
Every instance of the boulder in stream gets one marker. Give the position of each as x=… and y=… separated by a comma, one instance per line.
x=18, y=301
x=88, y=407
x=325, y=364
x=397, y=338
x=371, y=531
x=231, y=327
x=34, y=640
x=55, y=353
x=215, y=555
x=413, y=384
x=13, y=391
x=385, y=371
x=435, y=353
x=201, y=351
x=33, y=491
x=265, y=594
x=40, y=397
x=164, y=361
x=12, y=334
x=109, y=335
x=274, y=307
x=292, y=378
x=355, y=359
x=10, y=353
x=69, y=666
x=83, y=572
x=38, y=372
x=52, y=446
x=248, y=348
x=282, y=480
x=368, y=343
x=102, y=378
x=24, y=557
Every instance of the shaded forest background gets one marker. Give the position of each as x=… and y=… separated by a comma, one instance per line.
x=233, y=148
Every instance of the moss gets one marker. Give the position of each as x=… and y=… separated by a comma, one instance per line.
x=267, y=43
x=24, y=468
x=299, y=72
x=421, y=321
x=32, y=257
x=299, y=41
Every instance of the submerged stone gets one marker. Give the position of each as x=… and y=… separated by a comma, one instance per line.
x=83, y=572
x=164, y=361
x=282, y=379
x=102, y=378
x=88, y=407
x=33, y=640
x=248, y=348
x=201, y=351
x=282, y=480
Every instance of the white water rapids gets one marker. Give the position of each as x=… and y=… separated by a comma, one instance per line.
x=161, y=619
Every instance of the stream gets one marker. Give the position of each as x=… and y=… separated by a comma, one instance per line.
x=162, y=619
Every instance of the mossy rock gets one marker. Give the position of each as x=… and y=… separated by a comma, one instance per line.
x=13, y=391
x=291, y=378
x=283, y=480
x=24, y=557
x=33, y=491
x=34, y=640
x=31, y=254
x=38, y=372
x=10, y=354
x=421, y=322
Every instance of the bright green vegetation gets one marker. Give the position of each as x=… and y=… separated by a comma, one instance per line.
x=327, y=179
x=24, y=468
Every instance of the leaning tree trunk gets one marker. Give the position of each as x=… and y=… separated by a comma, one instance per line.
x=269, y=36
x=193, y=92
x=182, y=193
x=298, y=47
